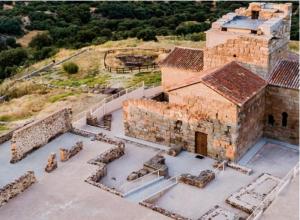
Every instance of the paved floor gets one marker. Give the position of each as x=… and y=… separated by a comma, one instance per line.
x=63, y=194
x=274, y=158
x=133, y=160
x=35, y=161
x=286, y=206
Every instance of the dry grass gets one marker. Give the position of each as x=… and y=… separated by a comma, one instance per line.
x=26, y=39
x=294, y=46
x=13, y=89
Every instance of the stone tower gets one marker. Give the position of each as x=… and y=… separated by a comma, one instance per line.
x=256, y=37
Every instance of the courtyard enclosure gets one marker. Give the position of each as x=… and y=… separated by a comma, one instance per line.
x=39, y=133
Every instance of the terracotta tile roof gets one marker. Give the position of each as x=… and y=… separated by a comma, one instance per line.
x=235, y=83
x=285, y=74
x=184, y=58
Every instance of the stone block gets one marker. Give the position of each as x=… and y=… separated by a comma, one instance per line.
x=52, y=163
x=200, y=181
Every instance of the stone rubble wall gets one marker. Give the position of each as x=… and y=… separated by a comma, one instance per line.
x=163, y=211
x=39, y=133
x=109, y=155
x=66, y=154
x=279, y=100
x=171, y=125
x=16, y=187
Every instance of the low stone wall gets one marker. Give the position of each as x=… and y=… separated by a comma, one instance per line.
x=6, y=137
x=102, y=160
x=66, y=154
x=13, y=189
x=163, y=211
x=200, y=181
x=157, y=163
x=109, y=155
x=95, y=178
x=39, y=133
x=82, y=133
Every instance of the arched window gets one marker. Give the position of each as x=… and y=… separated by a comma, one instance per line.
x=271, y=120
x=284, y=119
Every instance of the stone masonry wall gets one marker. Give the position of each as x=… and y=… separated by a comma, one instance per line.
x=279, y=100
x=39, y=133
x=253, y=52
x=251, y=123
x=172, y=124
x=13, y=189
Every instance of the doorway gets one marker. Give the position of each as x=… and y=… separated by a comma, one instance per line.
x=201, y=143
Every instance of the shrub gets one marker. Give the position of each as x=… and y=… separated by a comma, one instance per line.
x=146, y=35
x=71, y=68
x=41, y=40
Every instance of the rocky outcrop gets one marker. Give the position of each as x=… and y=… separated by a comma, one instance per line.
x=13, y=189
x=35, y=135
x=52, y=163
x=66, y=154
x=200, y=181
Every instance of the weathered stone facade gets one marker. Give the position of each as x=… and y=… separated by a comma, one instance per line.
x=279, y=101
x=158, y=122
x=250, y=124
x=13, y=189
x=39, y=133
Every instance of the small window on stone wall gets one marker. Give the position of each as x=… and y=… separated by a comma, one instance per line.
x=284, y=119
x=253, y=31
x=234, y=55
x=271, y=120
x=178, y=125
x=223, y=29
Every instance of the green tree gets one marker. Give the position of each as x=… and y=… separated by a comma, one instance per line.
x=146, y=35
x=40, y=41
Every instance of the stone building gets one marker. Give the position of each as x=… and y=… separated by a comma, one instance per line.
x=223, y=99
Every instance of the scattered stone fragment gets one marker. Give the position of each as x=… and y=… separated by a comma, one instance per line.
x=52, y=163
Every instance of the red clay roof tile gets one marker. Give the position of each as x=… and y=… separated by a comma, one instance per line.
x=184, y=58
x=285, y=74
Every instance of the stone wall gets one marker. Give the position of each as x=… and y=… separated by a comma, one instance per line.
x=173, y=76
x=39, y=133
x=66, y=154
x=252, y=52
x=201, y=98
x=13, y=189
x=171, y=124
x=251, y=123
x=279, y=100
